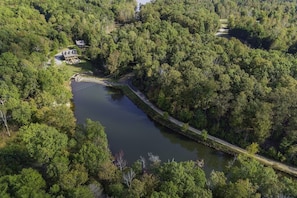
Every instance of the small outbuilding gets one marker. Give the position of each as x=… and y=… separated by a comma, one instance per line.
x=80, y=43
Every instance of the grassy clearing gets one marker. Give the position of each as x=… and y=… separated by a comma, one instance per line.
x=81, y=67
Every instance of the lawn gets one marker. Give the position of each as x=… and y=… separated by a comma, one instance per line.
x=81, y=67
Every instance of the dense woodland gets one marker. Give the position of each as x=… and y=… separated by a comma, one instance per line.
x=242, y=89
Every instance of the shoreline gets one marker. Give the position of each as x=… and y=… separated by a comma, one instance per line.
x=156, y=114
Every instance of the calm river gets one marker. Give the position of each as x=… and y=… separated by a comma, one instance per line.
x=131, y=130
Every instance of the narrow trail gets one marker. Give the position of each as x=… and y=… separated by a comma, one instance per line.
x=274, y=164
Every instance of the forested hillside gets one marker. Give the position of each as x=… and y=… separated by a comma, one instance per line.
x=241, y=89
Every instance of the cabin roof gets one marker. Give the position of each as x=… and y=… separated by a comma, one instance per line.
x=69, y=53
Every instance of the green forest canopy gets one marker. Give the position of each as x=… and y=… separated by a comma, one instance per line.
x=241, y=89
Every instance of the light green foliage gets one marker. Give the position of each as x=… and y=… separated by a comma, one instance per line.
x=113, y=63
x=204, y=134
x=108, y=171
x=52, y=80
x=182, y=179
x=61, y=117
x=185, y=127
x=150, y=183
x=91, y=156
x=171, y=179
x=55, y=189
x=95, y=133
x=264, y=178
x=137, y=189
x=169, y=188
x=217, y=183
x=74, y=178
x=253, y=148
x=93, y=149
x=162, y=101
x=125, y=10
x=191, y=15
x=289, y=186
x=160, y=195
x=22, y=114
x=27, y=181
x=43, y=142
x=241, y=189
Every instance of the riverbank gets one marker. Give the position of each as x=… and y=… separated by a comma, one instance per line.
x=163, y=118
x=101, y=81
x=138, y=98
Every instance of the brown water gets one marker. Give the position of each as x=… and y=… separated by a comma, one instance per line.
x=129, y=129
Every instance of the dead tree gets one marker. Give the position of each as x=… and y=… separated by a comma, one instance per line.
x=142, y=160
x=200, y=163
x=4, y=117
x=154, y=158
x=119, y=161
x=128, y=177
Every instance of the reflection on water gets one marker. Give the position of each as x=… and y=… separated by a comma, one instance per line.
x=116, y=94
x=131, y=130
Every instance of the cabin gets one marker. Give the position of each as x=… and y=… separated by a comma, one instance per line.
x=80, y=43
x=70, y=56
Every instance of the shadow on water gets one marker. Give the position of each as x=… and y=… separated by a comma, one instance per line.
x=186, y=142
x=202, y=152
x=115, y=94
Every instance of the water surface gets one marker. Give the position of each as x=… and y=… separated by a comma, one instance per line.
x=129, y=129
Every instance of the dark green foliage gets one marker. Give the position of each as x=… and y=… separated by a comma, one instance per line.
x=32, y=90
x=268, y=25
x=235, y=92
x=13, y=158
x=29, y=183
x=241, y=94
